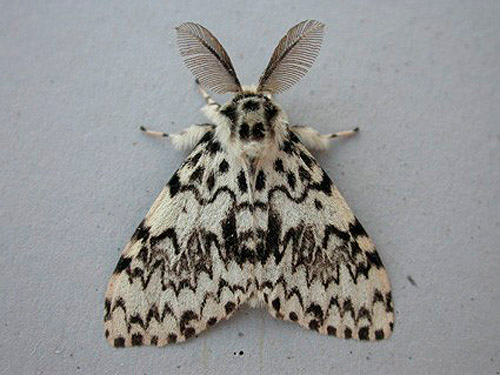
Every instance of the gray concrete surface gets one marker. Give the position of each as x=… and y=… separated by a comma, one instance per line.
x=421, y=79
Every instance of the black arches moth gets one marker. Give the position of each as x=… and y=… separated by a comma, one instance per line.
x=249, y=217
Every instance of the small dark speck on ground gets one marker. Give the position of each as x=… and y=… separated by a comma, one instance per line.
x=409, y=358
x=179, y=366
x=410, y=279
x=241, y=352
x=367, y=358
x=241, y=334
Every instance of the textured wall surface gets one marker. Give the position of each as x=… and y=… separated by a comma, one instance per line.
x=421, y=79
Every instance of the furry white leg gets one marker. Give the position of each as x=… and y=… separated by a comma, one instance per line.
x=186, y=139
x=313, y=140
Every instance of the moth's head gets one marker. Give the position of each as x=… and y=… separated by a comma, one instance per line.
x=211, y=65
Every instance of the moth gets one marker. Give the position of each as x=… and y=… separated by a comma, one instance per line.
x=249, y=217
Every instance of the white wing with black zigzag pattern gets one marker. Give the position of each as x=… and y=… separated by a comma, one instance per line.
x=186, y=266
x=326, y=274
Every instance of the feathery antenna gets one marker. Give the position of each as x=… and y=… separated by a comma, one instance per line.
x=293, y=57
x=206, y=58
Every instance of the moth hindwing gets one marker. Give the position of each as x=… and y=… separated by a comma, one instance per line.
x=249, y=217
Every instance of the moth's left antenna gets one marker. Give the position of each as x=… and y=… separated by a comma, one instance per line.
x=206, y=58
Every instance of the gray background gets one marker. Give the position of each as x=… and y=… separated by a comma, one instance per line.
x=421, y=79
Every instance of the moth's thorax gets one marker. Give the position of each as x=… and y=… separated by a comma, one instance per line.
x=253, y=121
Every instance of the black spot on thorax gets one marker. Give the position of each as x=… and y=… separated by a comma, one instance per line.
x=230, y=112
x=251, y=105
x=244, y=131
x=258, y=131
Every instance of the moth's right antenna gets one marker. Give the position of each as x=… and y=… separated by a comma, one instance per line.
x=293, y=57
x=206, y=58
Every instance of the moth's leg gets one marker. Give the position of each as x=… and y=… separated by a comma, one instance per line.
x=187, y=138
x=345, y=133
x=313, y=140
x=154, y=133
x=211, y=108
x=206, y=95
